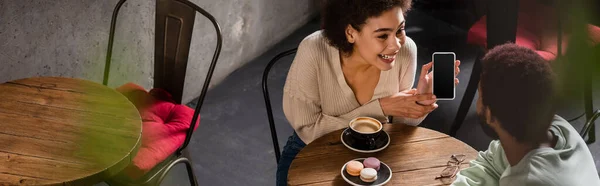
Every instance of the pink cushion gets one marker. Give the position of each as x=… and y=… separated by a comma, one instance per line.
x=478, y=35
x=534, y=31
x=164, y=126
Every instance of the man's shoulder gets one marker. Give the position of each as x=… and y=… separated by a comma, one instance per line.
x=542, y=177
x=568, y=136
x=558, y=121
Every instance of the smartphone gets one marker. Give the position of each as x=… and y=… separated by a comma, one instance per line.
x=443, y=75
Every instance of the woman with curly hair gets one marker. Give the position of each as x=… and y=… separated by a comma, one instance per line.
x=360, y=64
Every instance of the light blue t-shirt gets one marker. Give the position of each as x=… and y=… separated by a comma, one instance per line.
x=568, y=163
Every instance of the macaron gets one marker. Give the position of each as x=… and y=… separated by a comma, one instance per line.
x=372, y=163
x=354, y=167
x=368, y=175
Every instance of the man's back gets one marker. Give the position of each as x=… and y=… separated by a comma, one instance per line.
x=568, y=163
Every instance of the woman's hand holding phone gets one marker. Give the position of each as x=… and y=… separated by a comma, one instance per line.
x=425, y=85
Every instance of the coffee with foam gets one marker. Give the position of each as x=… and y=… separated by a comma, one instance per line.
x=365, y=125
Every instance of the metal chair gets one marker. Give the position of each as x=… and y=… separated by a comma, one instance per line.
x=173, y=35
x=589, y=124
x=501, y=28
x=501, y=24
x=588, y=59
x=265, y=91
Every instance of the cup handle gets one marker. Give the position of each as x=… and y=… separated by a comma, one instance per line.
x=347, y=132
x=371, y=143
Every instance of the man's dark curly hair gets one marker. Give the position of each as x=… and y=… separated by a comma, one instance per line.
x=338, y=14
x=518, y=86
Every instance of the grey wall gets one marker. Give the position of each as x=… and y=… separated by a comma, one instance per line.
x=69, y=37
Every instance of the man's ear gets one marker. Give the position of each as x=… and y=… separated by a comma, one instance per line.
x=490, y=118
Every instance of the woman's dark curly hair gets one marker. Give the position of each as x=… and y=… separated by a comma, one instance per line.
x=338, y=14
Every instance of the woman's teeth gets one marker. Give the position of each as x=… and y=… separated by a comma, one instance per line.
x=385, y=56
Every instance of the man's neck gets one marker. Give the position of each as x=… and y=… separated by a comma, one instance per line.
x=515, y=151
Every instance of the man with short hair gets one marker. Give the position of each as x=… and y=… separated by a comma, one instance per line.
x=532, y=145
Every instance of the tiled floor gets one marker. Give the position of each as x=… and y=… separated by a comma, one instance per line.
x=233, y=146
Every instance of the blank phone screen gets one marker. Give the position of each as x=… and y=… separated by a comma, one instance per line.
x=443, y=76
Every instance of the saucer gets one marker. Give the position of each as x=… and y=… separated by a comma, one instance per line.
x=384, y=175
x=380, y=143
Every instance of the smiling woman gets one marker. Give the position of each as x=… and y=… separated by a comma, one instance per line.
x=339, y=15
x=360, y=64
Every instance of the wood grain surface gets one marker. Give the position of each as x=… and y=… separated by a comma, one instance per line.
x=416, y=156
x=64, y=131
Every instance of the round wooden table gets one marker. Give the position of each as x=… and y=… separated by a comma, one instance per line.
x=64, y=131
x=416, y=156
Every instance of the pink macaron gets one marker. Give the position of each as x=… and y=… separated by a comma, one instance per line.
x=372, y=162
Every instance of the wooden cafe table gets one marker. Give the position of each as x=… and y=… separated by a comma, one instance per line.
x=64, y=131
x=416, y=156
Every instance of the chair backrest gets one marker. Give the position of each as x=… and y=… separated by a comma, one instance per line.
x=173, y=35
x=501, y=22
x=265, y=90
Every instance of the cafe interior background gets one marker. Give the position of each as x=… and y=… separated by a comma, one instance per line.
x=233, y=145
